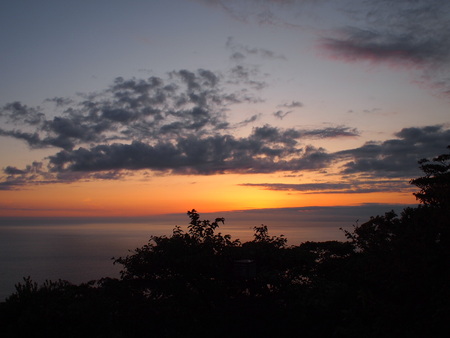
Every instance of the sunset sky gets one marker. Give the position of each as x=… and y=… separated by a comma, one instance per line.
x=145, y=107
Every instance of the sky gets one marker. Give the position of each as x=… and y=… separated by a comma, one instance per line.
x=132, y=108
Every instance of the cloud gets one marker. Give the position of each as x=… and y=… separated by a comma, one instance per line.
x=245, y=122
x=300, y=187
x=378, y=46
x=372, y=111
x=247, y=75
x=406, y=33
x=263, y=12
x=240, y=51
x=292, y=105
x=279, y=114
x=17, y=112
x=375, y=166
x=138, y=109
x=60, y=101
x=331, y=132
x=266, y=149
x=178, y=124
x=395, y=157
x=350, y=187
x=18, y=178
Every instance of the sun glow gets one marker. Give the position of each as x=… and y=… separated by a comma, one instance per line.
x=163, y=194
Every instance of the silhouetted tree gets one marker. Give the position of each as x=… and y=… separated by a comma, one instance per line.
x=401, y=263
x=435, y=184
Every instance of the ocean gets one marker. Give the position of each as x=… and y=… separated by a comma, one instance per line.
x=80, y=250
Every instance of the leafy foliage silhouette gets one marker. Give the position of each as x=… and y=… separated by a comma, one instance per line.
x=435, y=185
x=389, y=279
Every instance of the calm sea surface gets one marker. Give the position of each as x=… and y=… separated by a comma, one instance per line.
x=82, y=252
x=77, y=253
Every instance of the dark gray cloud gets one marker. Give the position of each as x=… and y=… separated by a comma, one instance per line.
x=31, y=138
x=19, y=178
x=378, y=166
x=266, y=149
x=396, y=157
x=17, y=112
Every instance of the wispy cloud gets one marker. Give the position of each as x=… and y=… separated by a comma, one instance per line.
x=249, y=75
x=281, y=114
x=240, y=51
x=350, y=187
x=292, y=105
x=262, y=12
x=403, y=33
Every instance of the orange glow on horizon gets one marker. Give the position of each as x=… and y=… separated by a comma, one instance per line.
x=171, y=194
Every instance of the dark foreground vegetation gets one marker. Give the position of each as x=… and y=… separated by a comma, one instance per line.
x=390, y=279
